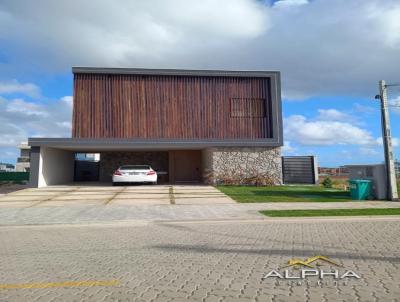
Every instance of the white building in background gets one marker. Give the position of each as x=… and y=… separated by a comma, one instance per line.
x=88, y=156
x=6, y=167
x=24, y=159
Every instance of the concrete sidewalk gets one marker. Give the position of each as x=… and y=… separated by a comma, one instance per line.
x=99, y=213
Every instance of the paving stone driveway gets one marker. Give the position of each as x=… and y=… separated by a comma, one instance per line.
x=196, y=261
x=121, y=195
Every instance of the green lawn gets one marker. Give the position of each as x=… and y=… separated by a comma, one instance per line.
x=246, y=194
x=329, y=212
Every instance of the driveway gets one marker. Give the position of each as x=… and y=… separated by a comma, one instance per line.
x=121, y=195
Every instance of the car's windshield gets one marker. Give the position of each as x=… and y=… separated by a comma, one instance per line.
x=135, y=167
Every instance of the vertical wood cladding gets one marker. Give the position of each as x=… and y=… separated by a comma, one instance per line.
x=171, y=107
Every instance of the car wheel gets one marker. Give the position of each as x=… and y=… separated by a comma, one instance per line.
x=154, y=183
x=114, y=183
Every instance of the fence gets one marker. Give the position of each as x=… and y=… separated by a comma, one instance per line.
x=299, y=170
x=14, y=176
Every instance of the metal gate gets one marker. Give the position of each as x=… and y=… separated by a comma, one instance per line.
x=299, y=170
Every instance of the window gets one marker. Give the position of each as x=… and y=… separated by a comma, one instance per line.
x=247, y=107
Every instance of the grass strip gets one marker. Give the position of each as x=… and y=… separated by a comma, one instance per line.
x=331, y=212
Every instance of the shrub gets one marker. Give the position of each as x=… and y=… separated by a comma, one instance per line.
x=327, y=183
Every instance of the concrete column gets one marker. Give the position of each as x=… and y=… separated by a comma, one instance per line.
x=34, y=167
x=207, y=166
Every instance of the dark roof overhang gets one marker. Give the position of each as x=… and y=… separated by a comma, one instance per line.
x=97, y=145
x=175, y=72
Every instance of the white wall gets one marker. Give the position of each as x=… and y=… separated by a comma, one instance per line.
x=55, y=167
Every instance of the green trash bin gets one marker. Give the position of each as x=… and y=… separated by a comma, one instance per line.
x=360, y=189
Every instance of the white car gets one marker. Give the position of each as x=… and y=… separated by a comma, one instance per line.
x=134, y=173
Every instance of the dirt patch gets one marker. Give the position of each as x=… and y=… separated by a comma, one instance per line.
x=10, y=187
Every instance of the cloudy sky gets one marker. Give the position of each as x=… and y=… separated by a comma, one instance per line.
x=331, y=54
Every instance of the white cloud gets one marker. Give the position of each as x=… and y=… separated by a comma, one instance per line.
x=11, y=135
x=26, y=108
x=67, y=100
x=395, y=141
x=368, y=151
x=324, y=133
x=333, y=115
x=123, y=33
x=288, y=148
x=395, y=105
x=21, y=119
x=387, y=18
x=289, y=3
x=363, y=109
x=67, y=125
x=320, y=47
x=14, y=86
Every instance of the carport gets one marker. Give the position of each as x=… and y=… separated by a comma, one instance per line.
x=53, y=159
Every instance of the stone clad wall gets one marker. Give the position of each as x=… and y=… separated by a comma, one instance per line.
x=257, y=166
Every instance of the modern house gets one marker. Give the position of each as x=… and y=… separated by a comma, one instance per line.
x=23, y=161
x=205, y=126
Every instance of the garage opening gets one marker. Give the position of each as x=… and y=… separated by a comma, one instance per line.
x=112, y=160
x=174, y=166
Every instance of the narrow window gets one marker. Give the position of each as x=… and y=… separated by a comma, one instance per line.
x=247, y=107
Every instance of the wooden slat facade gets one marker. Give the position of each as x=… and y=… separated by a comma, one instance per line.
x=171, y=107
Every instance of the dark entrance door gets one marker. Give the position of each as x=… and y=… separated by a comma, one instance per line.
x=185, y=166
x=86, y=170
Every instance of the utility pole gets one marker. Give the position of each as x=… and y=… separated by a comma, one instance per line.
x=387, y=144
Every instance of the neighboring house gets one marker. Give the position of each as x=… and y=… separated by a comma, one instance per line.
x=397, y=168
x=189, y=125
x=337, y=171
x=23, y=161
x=6, y=167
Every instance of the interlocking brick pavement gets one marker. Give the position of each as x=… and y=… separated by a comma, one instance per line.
x=198, y=261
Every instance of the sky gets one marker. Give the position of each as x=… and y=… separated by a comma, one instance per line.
x=331, y=55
